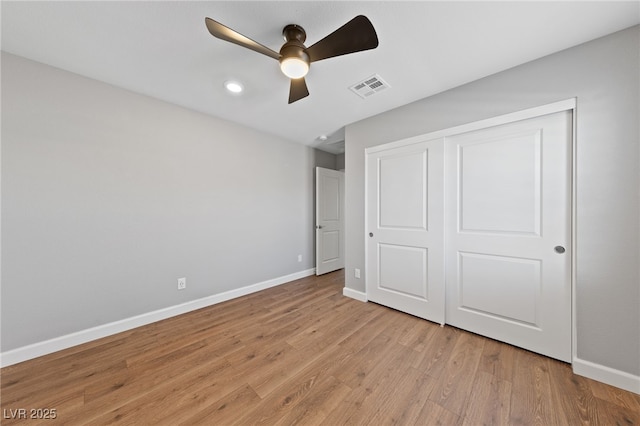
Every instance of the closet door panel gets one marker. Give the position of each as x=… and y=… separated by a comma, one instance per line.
x=508, y=236
x=405, y=229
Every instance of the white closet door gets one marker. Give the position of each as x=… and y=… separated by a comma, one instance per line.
x=405, y=229
x=508, y=252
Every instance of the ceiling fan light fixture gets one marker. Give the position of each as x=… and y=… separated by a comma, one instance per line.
x=294, y=67
x=355, y=36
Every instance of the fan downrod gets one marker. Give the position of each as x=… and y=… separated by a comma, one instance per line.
x=293, y=32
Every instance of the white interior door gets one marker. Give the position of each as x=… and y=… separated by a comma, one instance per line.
x=405, y=242
x=329, y=220
x=508, y=233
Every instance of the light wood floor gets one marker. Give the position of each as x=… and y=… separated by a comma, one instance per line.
x=302, y=353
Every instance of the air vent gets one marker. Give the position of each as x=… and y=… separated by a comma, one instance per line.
x=369, y=86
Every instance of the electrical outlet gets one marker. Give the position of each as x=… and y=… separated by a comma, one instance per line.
x=299, y=258
x=182, y=283
x=357, y=273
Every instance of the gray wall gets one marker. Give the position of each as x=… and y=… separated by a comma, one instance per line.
x=604, y=76
x=108, y=197
x=340, y=162
x=326, y=160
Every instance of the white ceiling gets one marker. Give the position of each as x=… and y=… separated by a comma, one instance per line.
x=163, y=49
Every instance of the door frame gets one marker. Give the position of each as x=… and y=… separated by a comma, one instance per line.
x=564, y=105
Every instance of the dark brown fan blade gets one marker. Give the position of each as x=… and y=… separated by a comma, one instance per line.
x=298, y=90
x=225, y=33
x=355, y=36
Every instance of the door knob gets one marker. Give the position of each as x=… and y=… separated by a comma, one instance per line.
x=559, y=249
x=371, y=234
x=319, y=227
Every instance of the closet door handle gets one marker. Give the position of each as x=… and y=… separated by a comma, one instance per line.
x=559, y=249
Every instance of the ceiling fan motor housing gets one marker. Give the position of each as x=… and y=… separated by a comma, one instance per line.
x=294, y=47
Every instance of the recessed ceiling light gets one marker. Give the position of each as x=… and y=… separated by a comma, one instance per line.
x=233, y=86
x=323, y=137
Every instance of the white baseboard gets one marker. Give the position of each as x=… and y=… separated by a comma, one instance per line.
x=607, y=375
x=63, y=342
x=354, y=294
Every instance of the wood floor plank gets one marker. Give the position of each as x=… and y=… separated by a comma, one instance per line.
x=279, y=403
x=134, y=385
x=322, y=324
x=434, y=357
x=615, y=396
x=491, y=402
x=498, y=359
x=407, y=392
x=454, y=386
x=607, y=413
x=354, y=370
x=435, y=414
x=266, y=379
x=320, y=402
x=570, y=392
x=305, y=381
x=531, y=399
x=36, y=393
x=419, y=337
x=371, y=388
x=302, y=353
x=174, y=399
x=225, y=410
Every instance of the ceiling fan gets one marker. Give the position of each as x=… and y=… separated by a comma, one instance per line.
x=355, y=36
